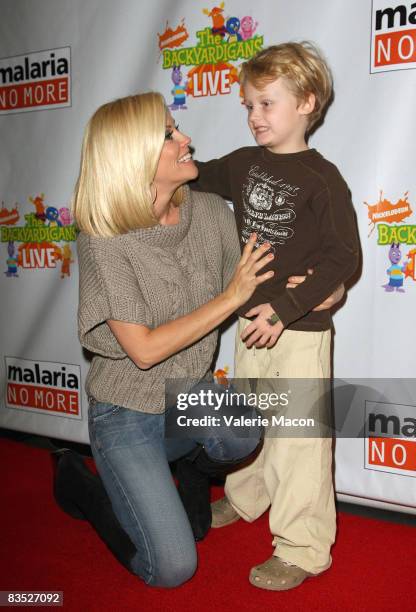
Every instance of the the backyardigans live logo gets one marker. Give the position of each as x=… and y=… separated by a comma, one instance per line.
x=211, y=62
x=398, y=238
x=44, y=239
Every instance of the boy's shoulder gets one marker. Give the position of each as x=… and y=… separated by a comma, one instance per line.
x=244, y=153
x=326, y=172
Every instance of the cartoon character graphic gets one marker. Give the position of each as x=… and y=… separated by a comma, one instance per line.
x=411, y=264
x=261, y=197
x=11, y=261
x=38, y=203
x=232, y=26
x=65, y=216
x=66, y=261
x=248, y=27
x=396, y=272
x=52, y=215
x=218, y=20
x=178, y=91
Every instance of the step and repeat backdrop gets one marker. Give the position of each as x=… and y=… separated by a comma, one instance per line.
x=60, y=60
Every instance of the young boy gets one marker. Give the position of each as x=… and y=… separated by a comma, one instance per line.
x=297, y=201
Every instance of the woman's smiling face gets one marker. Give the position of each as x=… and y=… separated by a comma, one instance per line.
x=176, y=166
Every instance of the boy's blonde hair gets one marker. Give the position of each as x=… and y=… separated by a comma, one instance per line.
x=120, y=154
x=303, y=68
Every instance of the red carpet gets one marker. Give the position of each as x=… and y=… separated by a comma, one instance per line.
x=374, y=562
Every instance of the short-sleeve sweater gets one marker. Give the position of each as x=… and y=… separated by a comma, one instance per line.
x=151, y=276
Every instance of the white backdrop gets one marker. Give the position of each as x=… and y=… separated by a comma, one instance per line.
x=60, y=60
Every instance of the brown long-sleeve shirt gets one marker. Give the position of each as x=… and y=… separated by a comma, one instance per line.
x=300, y=203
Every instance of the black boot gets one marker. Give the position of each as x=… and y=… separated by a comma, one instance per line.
x=194, y=473
x=194, y=490
x=82, y=495
x=220, y=469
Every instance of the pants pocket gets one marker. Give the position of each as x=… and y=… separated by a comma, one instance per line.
x=102, y=411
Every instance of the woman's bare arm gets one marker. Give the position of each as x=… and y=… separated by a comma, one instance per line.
x=147, y=347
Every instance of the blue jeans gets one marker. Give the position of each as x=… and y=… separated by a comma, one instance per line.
x=132, y=457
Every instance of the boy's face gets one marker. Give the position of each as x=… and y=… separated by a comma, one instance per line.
x=275, y=117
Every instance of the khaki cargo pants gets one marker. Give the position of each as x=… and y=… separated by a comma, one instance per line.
x=291, y=475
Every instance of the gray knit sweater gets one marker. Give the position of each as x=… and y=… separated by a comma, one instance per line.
x=152, y=276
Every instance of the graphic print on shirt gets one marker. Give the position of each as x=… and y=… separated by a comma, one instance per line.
x=268, y=208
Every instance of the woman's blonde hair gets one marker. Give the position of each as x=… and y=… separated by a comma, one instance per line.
x=120, y=153
x=303, y=68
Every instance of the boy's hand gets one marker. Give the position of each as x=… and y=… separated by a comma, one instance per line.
x=260, y=333
x=334, y=298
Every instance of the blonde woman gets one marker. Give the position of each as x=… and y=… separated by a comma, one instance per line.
x=160, y=269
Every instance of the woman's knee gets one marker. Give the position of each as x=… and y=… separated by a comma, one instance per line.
x=233, y=448
x=175, y=571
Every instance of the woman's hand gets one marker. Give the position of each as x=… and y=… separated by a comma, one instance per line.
x=334, y=298
x=245, y=281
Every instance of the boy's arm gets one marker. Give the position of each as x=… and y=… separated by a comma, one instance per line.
x=339, y=253
x=214, y=176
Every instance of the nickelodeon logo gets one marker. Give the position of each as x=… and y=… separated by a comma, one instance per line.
x=390, y=443
x=393, y=36
x=35, y=81
x=43, y=386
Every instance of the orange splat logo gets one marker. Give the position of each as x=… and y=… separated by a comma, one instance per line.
x=9, y=216
x=210, y=79
x=173, y=38
x=220, y=376
x=38, y=255
x=385, y=211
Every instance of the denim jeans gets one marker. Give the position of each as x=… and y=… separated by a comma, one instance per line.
x=132, y=457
